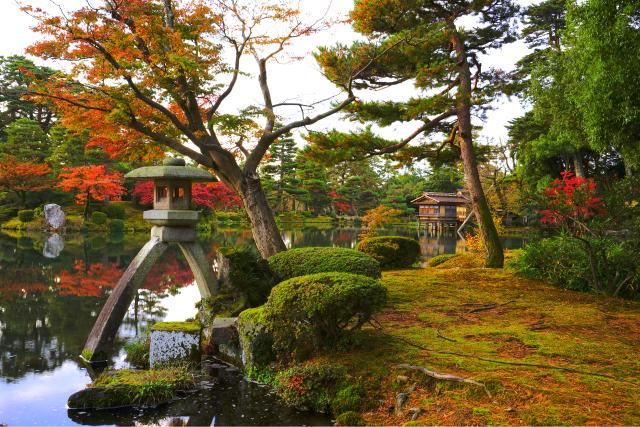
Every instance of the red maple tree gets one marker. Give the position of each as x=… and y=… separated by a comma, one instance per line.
x=92, y=183
x=571, y=201
x=211, y=195
x=24, y=177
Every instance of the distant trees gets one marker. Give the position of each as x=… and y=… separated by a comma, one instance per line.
x=92, y=183
x=22, y=177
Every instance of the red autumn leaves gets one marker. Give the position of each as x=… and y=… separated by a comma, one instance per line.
x=571, y=201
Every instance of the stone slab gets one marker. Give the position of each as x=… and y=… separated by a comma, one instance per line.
x=174, y=234
x=171, y=346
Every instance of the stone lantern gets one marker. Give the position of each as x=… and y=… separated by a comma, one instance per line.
x=172, y=216
x=174, y=222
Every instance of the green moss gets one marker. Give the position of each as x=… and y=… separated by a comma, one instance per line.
x=303, y=261
x=87, y=355
x=187, y=327
x=310, y=387
x=255, y=340
x=350, y=418
x=133, y=388
x=439, y=259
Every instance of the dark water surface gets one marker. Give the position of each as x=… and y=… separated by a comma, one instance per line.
x=50, y=297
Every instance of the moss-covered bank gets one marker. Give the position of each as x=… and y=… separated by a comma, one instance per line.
x=460, y=307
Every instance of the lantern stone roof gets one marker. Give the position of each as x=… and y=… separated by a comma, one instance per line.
x=171, y=169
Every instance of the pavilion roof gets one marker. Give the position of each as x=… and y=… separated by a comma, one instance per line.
x=441, y=198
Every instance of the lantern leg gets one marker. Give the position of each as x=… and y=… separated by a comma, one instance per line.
x=114, y=310
x=200, y=267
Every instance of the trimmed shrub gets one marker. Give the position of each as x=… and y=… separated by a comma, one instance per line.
x=115, y=211
x=116, y=226
x=312, y=312
x=26, y=215
x=391, y=251
x=99, y=218
x=304, y=261
x=310, y=387
x=440, y=259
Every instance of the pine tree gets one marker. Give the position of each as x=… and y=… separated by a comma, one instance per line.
x=420, y=41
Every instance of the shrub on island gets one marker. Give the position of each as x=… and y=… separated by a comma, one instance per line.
x=313, y=312
x=391, y=251
x=303, y=261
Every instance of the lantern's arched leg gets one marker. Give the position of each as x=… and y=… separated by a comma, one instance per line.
x=201, y=268
x=114, y=310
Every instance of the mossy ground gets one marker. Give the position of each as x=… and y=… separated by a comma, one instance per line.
x=186, y=327
x=498, y=315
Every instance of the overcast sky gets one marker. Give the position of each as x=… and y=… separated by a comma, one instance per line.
x=292, y=81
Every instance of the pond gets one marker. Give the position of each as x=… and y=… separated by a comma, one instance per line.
x=51, y=291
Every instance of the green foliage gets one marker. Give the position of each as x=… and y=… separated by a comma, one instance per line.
x=116, y=226
x=138, y=352
x=348, y=398
x=391, y=251
x=303, y=261
x=308, y=313
x=26, y=215
x=350, y=418
x=590, y=264
x=7, y=212
x=26, y=141
x=250, y=274
x=115, y=211
x=440, y=259
x=186, y=327
x=99, y=218
x=310, y=387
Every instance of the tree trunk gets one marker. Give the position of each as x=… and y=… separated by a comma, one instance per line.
x=263, y=224
x=578, y=165
x=488, y=231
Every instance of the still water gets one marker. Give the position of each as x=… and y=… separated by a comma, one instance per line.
x=52, y=289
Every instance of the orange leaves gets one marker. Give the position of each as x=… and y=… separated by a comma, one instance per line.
x=24, y=176
x=92, y=182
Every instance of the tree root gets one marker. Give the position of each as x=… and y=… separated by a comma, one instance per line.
x=445, y=377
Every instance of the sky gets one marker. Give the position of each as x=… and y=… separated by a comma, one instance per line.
x=294, y=80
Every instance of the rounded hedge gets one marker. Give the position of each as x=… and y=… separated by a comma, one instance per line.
x=391, y=251
x=26, y=215
x=99, y=218
x=115, y=211
x=311, y=312
x=441, y=259
x=116, y=226
x=303, y=261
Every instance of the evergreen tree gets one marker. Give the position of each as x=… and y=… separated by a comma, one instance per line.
x=279, y=172
x=26, y=141
x=420, y=41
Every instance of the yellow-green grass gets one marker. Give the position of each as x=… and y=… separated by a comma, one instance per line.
x=461, y=307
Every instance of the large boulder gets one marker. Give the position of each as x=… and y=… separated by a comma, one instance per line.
x=53, y=217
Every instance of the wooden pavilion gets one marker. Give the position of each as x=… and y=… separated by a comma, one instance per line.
x=441, y=212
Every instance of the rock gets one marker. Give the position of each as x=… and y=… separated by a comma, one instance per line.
x=402, y=379
x=174, y=341
x=53, y=246
x=224, y=339
x=415, y=413
x=53, y=217
x=255, y=340
x=401, y=401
